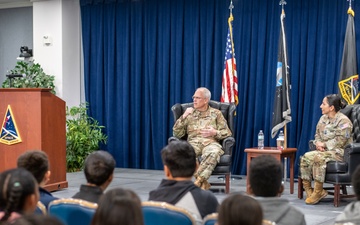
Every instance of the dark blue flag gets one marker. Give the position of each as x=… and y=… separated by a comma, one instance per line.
x=282, y=111
x=349, y=77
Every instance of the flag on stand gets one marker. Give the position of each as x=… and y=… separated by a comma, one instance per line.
x=282, y=111
x=229, y=91
x=349, y=77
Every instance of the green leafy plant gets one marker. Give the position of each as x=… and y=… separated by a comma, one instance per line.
x=83, y=136
x=34, y=77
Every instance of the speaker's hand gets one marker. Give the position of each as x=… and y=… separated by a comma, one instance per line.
x=188, y=111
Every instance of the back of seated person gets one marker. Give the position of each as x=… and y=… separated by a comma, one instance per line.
x=179, y=159
x=266, y=184
x=37, y=163
x=99, y=172
x=351, y=212
x=19, y=194
x=240, y=209
x=119, y=206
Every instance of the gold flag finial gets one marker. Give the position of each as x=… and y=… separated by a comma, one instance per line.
x=350, y=10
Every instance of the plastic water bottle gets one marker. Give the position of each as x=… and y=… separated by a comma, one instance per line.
x=280, y=140
x=261, y=140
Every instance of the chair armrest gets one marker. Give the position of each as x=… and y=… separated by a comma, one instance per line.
x=172, y=139
x=353, y=148
x=227, y=145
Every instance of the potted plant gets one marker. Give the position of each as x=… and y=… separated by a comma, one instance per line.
x=83, y=136
x=33, y=77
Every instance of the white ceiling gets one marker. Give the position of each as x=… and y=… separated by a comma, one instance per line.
x=14, y=3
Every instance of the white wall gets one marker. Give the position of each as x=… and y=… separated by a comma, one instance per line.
x=60, y=22
x=47, y=20
x=72, y=73
x=16, y=30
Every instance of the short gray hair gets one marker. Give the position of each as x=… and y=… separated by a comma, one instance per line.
x=206, y=92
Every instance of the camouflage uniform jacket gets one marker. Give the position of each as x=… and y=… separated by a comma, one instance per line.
x=335, y=133
x=196, y=121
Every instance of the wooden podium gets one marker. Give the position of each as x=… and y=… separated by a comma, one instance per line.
x=41, y=124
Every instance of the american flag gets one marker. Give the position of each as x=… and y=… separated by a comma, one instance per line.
x=229, y=91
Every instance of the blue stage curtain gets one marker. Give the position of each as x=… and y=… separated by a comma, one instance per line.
x=143, y=56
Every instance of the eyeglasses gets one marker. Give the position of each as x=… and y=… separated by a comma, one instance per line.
x=197, y=98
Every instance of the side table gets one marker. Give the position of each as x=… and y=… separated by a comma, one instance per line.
x=278, y=154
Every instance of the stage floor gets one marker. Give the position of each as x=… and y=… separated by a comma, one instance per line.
x=143, y=181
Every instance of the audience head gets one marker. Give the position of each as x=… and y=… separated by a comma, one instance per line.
x=99, y=168
x=334, y=100
x=355, y=180
x=119, y=206
x=37, y=163
x=240, y=209
x=36, y=219
x=19, y=192
x=179, y=159
x=265, y=176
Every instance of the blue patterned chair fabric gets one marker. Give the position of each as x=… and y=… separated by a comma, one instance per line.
x=72, y=211
x=40, y=208
x=210, y=219
x=162, y=213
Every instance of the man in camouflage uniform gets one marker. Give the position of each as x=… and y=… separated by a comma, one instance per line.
x=333, y=133
x=205, y=127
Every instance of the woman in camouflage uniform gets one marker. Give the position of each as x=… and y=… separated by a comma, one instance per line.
x=333, y=133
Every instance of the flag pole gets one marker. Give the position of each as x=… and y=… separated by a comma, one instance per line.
x=350, y=11
x=231, y=18
x=285, y=137
x=282, y=3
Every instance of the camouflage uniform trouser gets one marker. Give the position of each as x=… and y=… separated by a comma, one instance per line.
x=210, y=157
x=313, y=164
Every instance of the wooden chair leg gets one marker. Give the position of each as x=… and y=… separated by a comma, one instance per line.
x=336, y=195
x=300, y=188
x=227, y=183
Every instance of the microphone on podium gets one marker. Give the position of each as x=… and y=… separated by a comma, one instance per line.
x=12, y=76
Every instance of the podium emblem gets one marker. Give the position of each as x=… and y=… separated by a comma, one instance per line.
x=9, y=132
